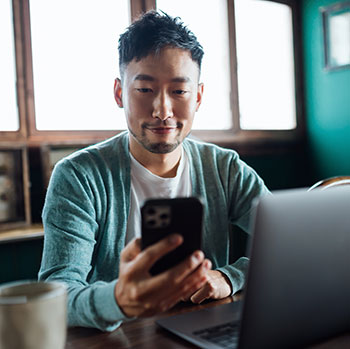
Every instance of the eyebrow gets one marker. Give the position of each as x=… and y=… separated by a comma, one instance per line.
x=181, y=79
x=145, y=77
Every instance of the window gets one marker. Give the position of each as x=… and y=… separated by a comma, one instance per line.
x=8, y=103
x=265, y=61
x=67, y=60
x=215, y=111
x=75, y=62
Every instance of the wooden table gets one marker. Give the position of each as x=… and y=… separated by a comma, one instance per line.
x=146, y=334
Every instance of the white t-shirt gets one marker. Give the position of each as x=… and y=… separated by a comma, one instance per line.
x=146, y=185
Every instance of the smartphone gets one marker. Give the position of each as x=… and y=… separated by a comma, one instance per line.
x=162, y=217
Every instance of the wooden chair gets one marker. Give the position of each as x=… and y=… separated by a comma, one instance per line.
x=331, y=182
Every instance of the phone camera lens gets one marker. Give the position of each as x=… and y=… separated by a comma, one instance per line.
x=151, y=211
x=151, y=223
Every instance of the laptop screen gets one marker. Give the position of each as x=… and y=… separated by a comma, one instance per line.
x=298, y=283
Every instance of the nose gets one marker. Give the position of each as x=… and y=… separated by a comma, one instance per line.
x=162, y=106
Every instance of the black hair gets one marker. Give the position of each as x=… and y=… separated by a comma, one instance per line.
x=151, y=33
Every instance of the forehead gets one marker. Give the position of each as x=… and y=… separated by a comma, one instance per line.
x=167, y=64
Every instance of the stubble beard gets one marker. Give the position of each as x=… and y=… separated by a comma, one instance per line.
x=158, y=147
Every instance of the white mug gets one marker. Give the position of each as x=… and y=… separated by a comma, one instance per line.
x=33, y=315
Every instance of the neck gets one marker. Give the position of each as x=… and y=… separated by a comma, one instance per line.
x=162, y=165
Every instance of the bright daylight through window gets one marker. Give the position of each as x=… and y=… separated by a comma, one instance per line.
x=215, y=111
x=75, y=62
x=265, y=65
x=8, y=103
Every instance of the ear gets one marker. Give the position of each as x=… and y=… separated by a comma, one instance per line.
x=199, y=95
x=118, y=92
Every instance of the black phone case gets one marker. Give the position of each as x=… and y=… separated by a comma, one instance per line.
x=162, y=217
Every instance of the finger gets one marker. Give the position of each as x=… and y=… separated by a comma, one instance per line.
x=186, y=291
x=131, y=250
x=156, y=251
x=203, y=272
x=188, y=266
x=188, y=287
x=204, y=292
x=201, y=295
x=177, y=274
x=172, y=292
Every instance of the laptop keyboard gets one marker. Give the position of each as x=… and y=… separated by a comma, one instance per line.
x=225, y=335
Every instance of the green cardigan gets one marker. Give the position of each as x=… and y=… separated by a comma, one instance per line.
x=86, y=212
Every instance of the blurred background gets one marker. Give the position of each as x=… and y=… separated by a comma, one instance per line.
x=277, y=90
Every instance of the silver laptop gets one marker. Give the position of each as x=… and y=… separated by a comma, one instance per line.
x=298, y=286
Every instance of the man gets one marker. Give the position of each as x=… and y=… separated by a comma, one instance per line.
x=91, y=215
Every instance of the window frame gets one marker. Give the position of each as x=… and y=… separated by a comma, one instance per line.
x=233, y=137
x=238, y=137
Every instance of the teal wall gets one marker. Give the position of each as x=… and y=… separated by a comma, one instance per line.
x=327, y=99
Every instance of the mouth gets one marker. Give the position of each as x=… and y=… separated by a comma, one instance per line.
x=162, y=130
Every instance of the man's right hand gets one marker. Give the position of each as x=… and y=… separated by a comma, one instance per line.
x=140, y=294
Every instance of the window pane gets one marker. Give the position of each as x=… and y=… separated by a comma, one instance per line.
x=206, y=21
x=265, y=65
x=8, y=102
x=75, y=62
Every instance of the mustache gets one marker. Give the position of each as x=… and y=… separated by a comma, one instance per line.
x=162, y=123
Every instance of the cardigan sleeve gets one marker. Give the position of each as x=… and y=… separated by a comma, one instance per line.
x=244, y=186
x=70, y=225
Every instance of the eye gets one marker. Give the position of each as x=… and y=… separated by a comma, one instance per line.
x=179, y=92
x=144, y=90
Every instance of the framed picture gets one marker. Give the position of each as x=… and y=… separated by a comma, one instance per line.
x=14, y=188
x=336, y=35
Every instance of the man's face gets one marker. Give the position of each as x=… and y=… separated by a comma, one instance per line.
x=160, y=95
